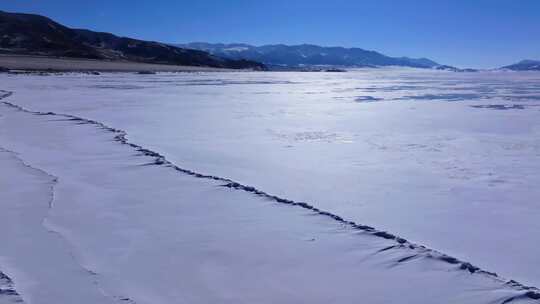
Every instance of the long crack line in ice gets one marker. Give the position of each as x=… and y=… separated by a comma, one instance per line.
x=54, y=180
x=529, y=292
x=7, y=286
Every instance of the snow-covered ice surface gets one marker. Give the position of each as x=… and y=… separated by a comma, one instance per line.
x=31, y=252
x=446, y=160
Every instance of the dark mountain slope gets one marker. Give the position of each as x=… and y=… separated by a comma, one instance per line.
x=34, y=34
x=38, y=35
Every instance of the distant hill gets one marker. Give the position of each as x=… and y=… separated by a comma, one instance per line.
x=37, y=35
x=309, y=55
x=524, y=65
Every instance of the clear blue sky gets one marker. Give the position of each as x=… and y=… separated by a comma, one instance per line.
x=473, y=33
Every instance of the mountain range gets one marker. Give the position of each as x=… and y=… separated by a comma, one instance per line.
x=524, y=65
x=280, y=55
x=38, y=35
x=31, y=34
x=309, y=55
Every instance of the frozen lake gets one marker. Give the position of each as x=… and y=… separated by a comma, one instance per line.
x=450, y=161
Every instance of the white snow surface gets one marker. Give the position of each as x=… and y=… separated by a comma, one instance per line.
x=446, y=160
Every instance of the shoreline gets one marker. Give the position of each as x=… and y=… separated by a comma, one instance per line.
x=53, y=64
